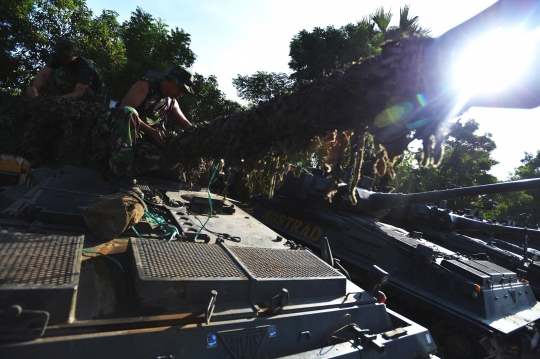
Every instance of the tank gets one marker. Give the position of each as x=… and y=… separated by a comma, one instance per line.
x=233, y=290
x=473, y=307
x=473, y=236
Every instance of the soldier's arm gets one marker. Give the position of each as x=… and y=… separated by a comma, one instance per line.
x=135, y=96
x=39, y=81
x=179, y=116
x=78, y=92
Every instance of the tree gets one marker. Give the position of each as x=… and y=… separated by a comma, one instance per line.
x=313, y=53
x=102, y=43
x=467, y=162
x=261, y=86
x=27, y=31
x=325, y=50
x=407, y=25
x=150, y=46
x=528, y=202
x=209, y=102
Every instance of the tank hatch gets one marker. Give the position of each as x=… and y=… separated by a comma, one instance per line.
x=173, y=275
x=39, y=276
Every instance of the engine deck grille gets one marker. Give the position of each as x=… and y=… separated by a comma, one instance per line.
x=182, y=274
x=40, y=272
x=185, y=260
x=277, y=263
x=36, y=259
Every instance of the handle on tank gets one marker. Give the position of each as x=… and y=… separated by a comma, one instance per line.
x=382, y=201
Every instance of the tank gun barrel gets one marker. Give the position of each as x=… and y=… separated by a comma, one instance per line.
x=462, y=223
x=382, y=201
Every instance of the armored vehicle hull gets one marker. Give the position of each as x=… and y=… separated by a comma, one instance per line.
x=475, y=308
x=232, y=290
x=443, y=228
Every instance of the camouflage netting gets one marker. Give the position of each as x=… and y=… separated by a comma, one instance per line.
x=47, y=128
x=379, y=95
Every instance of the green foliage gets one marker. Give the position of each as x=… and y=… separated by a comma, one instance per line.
x=381, y=19
x=325, y=50
x=102, y=43
x=261, y=86
x=149, y=45
x=512, y=204
x=26, y=30
x=209, y=102
x=466, y=162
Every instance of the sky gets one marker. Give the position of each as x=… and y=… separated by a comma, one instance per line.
x=232, y=37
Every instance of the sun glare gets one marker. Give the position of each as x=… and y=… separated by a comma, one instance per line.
x=494, y=61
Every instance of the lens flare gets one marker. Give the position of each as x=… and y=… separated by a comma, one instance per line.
x=393, y=114
x=494, y=61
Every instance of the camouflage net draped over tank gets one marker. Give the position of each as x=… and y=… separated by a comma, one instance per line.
x=379, y=95
x=48, y=127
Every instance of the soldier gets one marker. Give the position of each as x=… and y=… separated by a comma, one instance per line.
x=70, y=75
x=130, y=131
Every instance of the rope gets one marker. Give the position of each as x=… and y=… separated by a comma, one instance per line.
x=170, y=230
x=209, y=201
x=106, y=256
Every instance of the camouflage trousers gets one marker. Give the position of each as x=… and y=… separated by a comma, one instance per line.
x=130, y=153
x=62, y=82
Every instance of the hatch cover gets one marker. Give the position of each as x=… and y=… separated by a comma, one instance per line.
x=40, y=272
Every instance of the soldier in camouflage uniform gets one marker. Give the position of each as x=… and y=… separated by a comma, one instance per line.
x=130, y=131
x=70, y=75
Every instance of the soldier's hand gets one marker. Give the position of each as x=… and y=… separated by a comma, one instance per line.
x=31, y=92
x=158, y=137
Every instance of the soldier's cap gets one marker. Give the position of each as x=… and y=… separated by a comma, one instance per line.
x=66, y=47
x=181, y=76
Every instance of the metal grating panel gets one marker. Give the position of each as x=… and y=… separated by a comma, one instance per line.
x=36, y=259
x=176, y=260
x=282, y=263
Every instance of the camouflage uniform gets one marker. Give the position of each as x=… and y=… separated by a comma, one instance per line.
x=131, y=153
x=118, y=131
x=83, y=71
